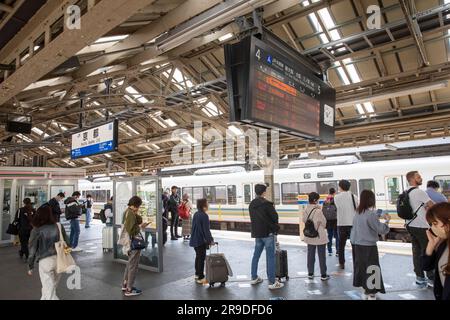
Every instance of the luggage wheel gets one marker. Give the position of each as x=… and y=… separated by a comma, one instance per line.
x=222, y=284
x=287, y=278
x=211, y=285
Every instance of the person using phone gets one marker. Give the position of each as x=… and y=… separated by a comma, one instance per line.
x=437, y=256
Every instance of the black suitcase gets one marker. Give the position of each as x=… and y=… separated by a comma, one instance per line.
x=281, y=264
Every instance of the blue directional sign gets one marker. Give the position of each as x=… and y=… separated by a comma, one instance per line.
x=101, y=139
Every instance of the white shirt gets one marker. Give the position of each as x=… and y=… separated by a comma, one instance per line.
x=417, y=197
x=345, y=208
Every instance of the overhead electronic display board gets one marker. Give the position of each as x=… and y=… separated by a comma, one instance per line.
x=270, y=85
x=101, y=139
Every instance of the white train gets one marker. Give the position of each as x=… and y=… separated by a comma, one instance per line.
x=229, y=190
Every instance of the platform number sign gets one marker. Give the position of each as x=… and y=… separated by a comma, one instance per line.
x=328, y=117
x=258, y=54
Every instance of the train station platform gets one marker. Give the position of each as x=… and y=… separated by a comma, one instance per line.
x=101, y=276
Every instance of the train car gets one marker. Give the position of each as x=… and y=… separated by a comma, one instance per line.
x=229, y=190
x=100, y=191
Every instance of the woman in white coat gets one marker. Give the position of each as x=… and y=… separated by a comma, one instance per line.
x=315, y=236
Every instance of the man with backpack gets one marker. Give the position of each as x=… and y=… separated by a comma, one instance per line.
x=412, y=206
x=330, y=212
x=346, y=203
x=264, y=227
x=73, y=212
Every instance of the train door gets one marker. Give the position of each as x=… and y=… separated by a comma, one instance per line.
x=394, y=186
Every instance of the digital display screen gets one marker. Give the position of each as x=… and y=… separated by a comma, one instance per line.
x=270, y=86
x=101, y=139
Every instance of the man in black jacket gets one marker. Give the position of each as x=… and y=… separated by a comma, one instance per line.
x=264, y=227
x=174, y=202
x=54, y=205
x=73, y=213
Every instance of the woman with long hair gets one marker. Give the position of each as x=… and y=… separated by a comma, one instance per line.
x=186, y=226
x=364, y=237
x=43, y=237
x=437, y=256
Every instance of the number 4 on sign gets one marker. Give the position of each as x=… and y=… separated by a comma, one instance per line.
x=258, y=54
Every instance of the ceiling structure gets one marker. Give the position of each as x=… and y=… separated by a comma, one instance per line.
x=158, y=65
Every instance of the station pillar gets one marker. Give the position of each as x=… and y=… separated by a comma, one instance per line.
x=268, y=179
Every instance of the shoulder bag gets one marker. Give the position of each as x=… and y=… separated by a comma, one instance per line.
x=64, y=260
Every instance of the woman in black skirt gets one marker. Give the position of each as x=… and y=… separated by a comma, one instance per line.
x=364, y=236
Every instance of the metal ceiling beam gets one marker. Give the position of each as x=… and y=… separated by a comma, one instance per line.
x=10, y=13
x=147, y=33
x=409, y=11
x=101, y=18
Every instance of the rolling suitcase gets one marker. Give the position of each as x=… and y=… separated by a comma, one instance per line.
x=107, y=239
x=281, y=269
x=217, y=268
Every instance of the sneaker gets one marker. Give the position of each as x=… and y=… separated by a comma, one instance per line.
x=132, y=292
x=365, y=296
x=341, y=266
x=276, y=285
x=77, y=249
x=421, y=282
x=173, y=238
x=124, y=287
x=196, y=277
x=372, y=297
x=256, y=281
x=337, y=255
x=310, y=276
x=201, y=281
x=325, y=278
x=330, y=254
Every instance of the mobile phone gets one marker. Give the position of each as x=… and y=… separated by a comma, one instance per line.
x=379, y=212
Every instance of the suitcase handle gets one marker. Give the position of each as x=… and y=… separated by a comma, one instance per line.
x=217, y=245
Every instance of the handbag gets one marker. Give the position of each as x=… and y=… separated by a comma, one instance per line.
x=138, y=242
x=13, y=228
x=124, y=239
x=64, y=260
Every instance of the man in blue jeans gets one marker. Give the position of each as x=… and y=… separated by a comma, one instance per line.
x=264, y=225
x=73, y=213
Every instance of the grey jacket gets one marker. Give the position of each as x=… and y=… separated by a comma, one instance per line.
x=366, y=228
x=42, y=242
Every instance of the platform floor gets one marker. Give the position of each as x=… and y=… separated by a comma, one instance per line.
x=101, y=277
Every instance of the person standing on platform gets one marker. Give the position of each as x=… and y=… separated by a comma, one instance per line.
x=73, y=213
x=417, y=227
x=54, y=205
x=330, y=212
x=437, y=253
x=88, y=205
x=165, y=214
x=174, y=202
x=43, y=237
x=186, y=205
x=264, y=227
x=364, y=237
x=346, y=203
x=24, y=217
x=313, y=212
x=133, y=224
x=201, y=239
x=433, y=192
x=109, y=212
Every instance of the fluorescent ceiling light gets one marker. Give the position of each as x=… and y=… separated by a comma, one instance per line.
x=226, y=37
x=88, y=160
x=235, y=130
x=129, y=98
x=131, y=90
x=107, y=155
x=142, y=100
x=170, y=122
x=360, y=109
x=111, y=39
x=369, y=107
x=24, y=138
x=100, y=175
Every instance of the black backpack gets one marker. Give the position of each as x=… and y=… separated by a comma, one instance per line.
x=329, y=211
x=404, y=209
x=73, y=211
x=310, y=231
x=102, y=215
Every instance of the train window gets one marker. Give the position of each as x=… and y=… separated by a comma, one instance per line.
x=197, y=193
x=367, y=184
x=444, y=184
x=247, y=193
x=221, y=194
x=354, y=187
x=307, y=187
x=323, y=187
x=289, y=193
x=210, y=194
x=393, y=188
x=231, y=194
x=97, y=195
x=276, y=193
